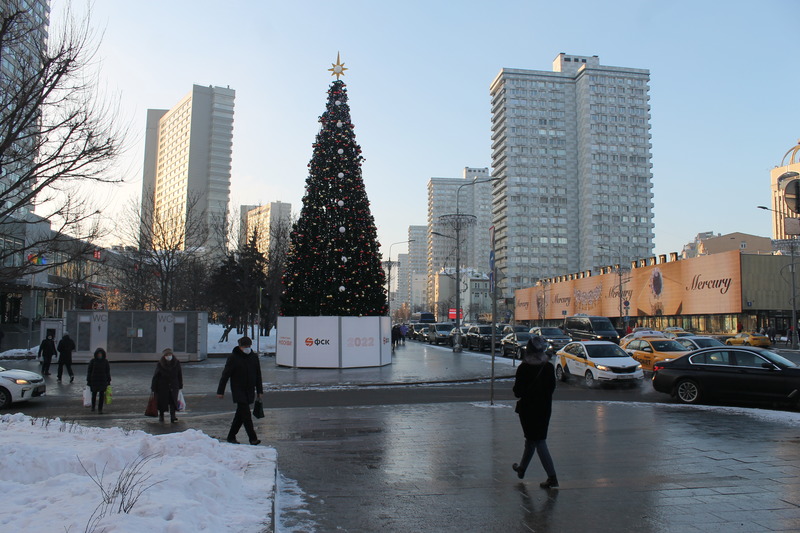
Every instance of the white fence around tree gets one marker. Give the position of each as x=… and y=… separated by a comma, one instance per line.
x=334, y=341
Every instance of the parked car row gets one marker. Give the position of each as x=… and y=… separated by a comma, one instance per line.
x=690, y=368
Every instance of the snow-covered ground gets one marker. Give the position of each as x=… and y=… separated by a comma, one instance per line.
x=261, y=344
x=53, y=471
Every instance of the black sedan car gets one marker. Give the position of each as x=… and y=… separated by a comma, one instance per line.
x=556, y=339
x=514, y=344
x=479, y=338
x=729, y=373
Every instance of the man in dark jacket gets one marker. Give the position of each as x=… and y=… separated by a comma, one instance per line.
x=65, y=348
x=47, y=349
x=244, y=370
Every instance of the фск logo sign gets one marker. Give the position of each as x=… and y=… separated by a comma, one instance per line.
x=318, y=342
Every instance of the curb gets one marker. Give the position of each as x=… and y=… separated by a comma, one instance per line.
x=351, y=386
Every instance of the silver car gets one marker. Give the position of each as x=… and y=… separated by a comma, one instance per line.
x=695, y=342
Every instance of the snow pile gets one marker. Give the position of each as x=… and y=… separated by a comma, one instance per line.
x=262, y=344
x=178, y=482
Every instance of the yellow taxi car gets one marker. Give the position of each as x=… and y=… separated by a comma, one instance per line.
x=650, y=350
x=749, y=339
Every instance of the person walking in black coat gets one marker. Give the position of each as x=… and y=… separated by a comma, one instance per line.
x=47, y=349
x=98, y=378
x=167, y=382
x=244, y=371
x=534, y=385
x=65, y=348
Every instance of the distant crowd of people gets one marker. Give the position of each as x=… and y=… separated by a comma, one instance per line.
x=399, y=334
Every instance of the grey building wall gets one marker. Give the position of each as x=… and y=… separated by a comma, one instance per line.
x=138, y=335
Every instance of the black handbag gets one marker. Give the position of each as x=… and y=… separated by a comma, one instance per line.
x=258, y=409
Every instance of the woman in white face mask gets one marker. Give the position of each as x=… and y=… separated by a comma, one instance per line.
x=167, y=383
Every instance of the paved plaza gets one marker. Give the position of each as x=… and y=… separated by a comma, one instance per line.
x=627, y=460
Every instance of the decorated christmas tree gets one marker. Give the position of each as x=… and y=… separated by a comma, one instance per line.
x=333, y=267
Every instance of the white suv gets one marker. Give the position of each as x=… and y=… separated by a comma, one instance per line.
x=439, y=333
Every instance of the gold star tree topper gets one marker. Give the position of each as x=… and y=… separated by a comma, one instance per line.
x=338, y=67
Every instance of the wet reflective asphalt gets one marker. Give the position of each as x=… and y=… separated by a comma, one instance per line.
x=630, y=462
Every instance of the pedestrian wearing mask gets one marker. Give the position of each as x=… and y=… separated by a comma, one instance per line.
x=98, y=378
x=167, y=382
x=65, y=348
x=244, y=371
x=534, y=385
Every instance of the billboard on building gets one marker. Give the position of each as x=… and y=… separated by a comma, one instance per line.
x=708, y=284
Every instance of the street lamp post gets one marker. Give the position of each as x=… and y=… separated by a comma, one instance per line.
x=619, y=274
x=457, y=220
x=793, y=269
x=389, y=277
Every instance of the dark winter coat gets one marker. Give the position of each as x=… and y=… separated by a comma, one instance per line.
x=244, y=371
x=167, y=381
x=65, y=348
x=47, y=348
x=98, y=375
x=534, y=386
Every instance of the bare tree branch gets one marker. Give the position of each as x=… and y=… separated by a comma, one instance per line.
x=56, y=135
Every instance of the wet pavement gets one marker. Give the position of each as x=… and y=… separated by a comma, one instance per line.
x=627, y=460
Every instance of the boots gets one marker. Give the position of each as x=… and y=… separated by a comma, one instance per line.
x=161, y=416
x=520, y=471
x=550, y=483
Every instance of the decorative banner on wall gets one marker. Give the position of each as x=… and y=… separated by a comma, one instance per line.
x=710, y=284
x=317, y=341
x=334, y=342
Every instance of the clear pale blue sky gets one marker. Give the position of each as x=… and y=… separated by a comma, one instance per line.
x=724, y=90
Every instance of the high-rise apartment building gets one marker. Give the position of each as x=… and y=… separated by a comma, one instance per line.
x=416, y=269
x=187, y=169
x=265, y=222
x=572, y=150
x=401, y=283
x=466, y=201
x=24, y=40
